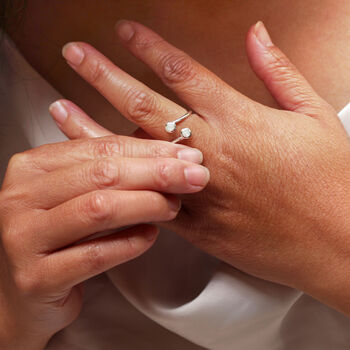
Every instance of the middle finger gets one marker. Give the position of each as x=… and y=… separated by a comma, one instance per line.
x=157, y=174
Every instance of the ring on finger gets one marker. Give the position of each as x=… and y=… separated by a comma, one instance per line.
x=170, y=127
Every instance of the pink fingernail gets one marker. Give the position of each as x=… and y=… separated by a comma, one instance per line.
x=197, y=175
x=125, y=30
x=58, y=112
x=73, y=53
x=174, y=203
x=190, y=155
x=262, y=35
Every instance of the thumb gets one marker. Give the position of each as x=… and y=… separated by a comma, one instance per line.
x=280, y=76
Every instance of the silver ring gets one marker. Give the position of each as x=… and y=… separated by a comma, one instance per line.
x=186, y=133
x=170, y=127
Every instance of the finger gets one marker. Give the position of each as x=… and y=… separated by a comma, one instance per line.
x=134, y=100
x=74, y=122
x=83, y=261
x=156, y=174
x=284, y=81
x=191, y=81
x=99, y=211
x=51, y=157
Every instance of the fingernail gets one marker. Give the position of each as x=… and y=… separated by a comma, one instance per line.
x=262, y=35
x=192, y=155
x=197, y=175
x=124, y=30
x=174, y=203
x=73, y=53
x=58, y=112
x=150, y=233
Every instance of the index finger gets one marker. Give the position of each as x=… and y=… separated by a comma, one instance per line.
x=54, y=156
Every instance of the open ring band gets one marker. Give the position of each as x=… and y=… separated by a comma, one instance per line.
x=170, y=127
x=186, y=133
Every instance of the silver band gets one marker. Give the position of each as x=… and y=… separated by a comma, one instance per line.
x=170, y=127
x=186, y=133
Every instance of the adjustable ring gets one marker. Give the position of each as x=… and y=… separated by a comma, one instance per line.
x=186, y=133
x=170, y=127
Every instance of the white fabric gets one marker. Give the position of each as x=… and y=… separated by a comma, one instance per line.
x=191, y=295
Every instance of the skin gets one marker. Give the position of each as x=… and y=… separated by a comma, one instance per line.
x=41, y=279
x=278, y=200
x=279, y=235
x=213, y=34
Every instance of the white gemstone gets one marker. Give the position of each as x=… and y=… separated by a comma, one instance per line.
x=170, y=127
x=186, y=133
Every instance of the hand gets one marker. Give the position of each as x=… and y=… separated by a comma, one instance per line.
x=54, y=198
x=278, y=202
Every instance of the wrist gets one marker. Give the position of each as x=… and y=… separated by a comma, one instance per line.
x=326, y=274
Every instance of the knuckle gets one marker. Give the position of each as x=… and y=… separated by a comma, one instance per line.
x=27, y=162
x=6, y=198
x=13, y=198
x=162, y=150
x=302, y=99
x=29, y=282
x=9, y=237
x=107, y=147
x=105, y=173
x=96, y=207
x=96, y=71
x=142, y=42
x=140, y=105
x=177, y=68
x=18, y=160
x=18, y=237
x=164, y=173
x=95, y=257
x=279, y=67
x=279, y=59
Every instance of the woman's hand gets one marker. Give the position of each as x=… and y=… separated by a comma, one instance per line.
x=55, y=197
x=278, y=202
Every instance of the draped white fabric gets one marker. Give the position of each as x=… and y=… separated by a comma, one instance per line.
x=193, y=297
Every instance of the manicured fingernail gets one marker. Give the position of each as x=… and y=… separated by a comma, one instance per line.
x=73, y=53
x=197, y=175
x=174, y=203
x=124, y=30
x=150, y=233
x=262, y=35
x=58, y=112
x=190, y=155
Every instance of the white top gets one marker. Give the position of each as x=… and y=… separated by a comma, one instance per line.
x=188, y=293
